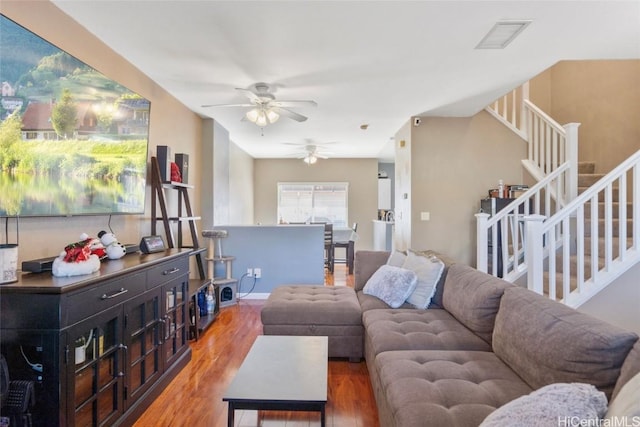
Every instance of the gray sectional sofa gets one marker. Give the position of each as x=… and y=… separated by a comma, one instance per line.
x=482, y=343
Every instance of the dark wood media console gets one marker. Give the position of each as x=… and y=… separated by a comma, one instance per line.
x=101, y=347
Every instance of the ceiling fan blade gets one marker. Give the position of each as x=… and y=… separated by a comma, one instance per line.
x=290, y=114
x=249, y=94
x=293, y=104
x=227, y=105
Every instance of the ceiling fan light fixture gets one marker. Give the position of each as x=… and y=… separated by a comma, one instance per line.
x=310, y=159
x=261, y=120
x=252, y=115
x=272, y=116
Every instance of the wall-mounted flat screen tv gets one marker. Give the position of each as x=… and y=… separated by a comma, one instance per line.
x=72, y=141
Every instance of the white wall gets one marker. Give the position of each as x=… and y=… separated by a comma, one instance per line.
x=618, y=302
x=227, y=179
x=240, y=186
x=402, y=205
x=215, y=174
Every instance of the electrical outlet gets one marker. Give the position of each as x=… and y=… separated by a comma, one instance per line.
x=257, y=273
x=250, y=272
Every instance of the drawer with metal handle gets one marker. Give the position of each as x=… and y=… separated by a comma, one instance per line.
x=167, y=271
x=85, y=303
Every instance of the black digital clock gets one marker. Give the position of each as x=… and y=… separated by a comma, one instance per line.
x=150, y=244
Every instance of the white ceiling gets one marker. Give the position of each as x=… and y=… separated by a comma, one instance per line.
x=373, y=62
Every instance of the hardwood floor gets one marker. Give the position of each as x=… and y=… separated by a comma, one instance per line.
x=194, y=397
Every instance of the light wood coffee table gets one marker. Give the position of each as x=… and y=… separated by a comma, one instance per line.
x=281, y=373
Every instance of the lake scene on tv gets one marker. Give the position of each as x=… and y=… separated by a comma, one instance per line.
x=72, y=141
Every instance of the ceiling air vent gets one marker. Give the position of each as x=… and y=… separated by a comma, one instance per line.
x=502, y=34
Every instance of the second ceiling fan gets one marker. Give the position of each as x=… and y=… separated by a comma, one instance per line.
x=265, y=109
x=311, y=151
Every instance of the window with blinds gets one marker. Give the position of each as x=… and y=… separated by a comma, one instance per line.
x=304, y=202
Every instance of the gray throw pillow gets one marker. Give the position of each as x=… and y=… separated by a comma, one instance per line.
x=553, y=405
x=393, y=285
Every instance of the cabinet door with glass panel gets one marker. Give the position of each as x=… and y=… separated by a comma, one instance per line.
x=95, y=354
x=176, y=323
x=143, y=336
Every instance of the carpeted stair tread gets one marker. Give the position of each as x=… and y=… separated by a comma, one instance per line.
x=615, y=246
x=588, y=179
x=615, y=226
x=616, y=210
x=586, y=167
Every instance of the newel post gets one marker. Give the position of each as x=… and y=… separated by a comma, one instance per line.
x=571, y=155
x=534, y=255
x=482, y=242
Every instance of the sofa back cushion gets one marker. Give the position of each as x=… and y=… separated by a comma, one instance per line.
x=473, y=298
x=546, y=342
x=365, y=264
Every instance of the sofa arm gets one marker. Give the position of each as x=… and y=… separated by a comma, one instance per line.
x=366, y=263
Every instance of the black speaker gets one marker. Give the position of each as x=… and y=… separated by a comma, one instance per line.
x=182, y=160
x=163, y=153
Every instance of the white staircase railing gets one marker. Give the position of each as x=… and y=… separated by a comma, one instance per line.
x=549, y=143
x=571, y=246
x=509, y=110
x=500, y=238
x=552, y=160
x=549, y=146
x=590, y=242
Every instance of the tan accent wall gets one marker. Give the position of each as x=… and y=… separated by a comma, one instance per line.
x=604, y=96
x=171, y=122
x=361, y=174
x=455, y=161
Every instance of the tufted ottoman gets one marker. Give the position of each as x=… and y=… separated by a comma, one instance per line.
x=317, y=310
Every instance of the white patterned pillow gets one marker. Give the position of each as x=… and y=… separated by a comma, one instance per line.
x=626, y=405
x=392, y=285
x=576, y=403
x=429, y=270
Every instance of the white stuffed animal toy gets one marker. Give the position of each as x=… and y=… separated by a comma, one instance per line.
x=115, y=249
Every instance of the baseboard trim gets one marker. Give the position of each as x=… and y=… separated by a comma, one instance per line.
x=253, y=295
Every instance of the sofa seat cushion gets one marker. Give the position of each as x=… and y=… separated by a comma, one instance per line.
x=473, y=298
x=445, y=388
x=312, y=305
x=412, y=329
x=547, y=342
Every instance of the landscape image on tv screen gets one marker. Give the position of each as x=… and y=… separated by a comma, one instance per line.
x=72, y=141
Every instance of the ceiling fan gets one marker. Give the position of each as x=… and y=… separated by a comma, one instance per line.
x=310, y=151
x=265, y=109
